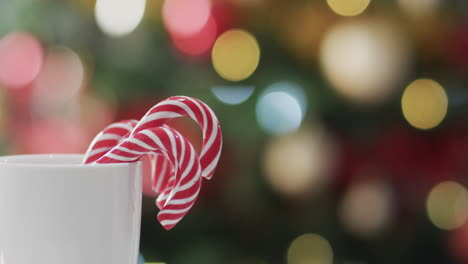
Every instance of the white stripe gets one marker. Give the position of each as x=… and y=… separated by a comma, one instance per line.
x=189, y=166
x=169, y=222
x=131, y=150
x=96, y=151
x=187, y=185
x=173, y=144
x=128, y=127
x=191, y=182
x=153, y=137
x=174, y=211
x=213, y=135
x=182, y=148
x=181, y=105
x=118, y=157
x=183, y=201
x=156, y=116
x=202, y=111
x=168, y=191
x=162, y=174
x=110, y=137
x=140, y=143
x=212, y=165
x=154, y=161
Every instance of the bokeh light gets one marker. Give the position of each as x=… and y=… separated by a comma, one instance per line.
x=424, y=103
x=249, y=260
x=21, y=58
x=419, y=8
x=315, y=19
x=232, y=95
x=94, y=112
x=235, y=55
x=300, y=164
x=310, y=248
x=5, y=117
x=119, y=17
x=199, y=43
x=447, y=205
x=364, y=60
x=281, y=107
x=457, y=241
x=141, y=260
x=348, y=7
x=185, y=18
x=366, y=208
x=52, y=136
x=60, y=80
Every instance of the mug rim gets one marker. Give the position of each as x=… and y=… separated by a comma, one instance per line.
x=50, y=161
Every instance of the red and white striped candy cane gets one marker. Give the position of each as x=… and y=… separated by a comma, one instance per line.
x=112, y=135
x=178, y=106
x=108, y=138
x=173, y=107
x=125, y=141
x=183, y=186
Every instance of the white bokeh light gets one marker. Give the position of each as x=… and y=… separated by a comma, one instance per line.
x=419, y=8
x=281, y=108
x=60, y=80
x=365, y=60
x=119, y=17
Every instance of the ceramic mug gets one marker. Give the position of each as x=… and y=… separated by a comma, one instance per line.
x=55, y=210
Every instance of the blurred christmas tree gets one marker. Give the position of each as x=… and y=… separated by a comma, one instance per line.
x=344, y=121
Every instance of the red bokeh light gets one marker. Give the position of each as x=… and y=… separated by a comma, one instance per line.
x=457, y=241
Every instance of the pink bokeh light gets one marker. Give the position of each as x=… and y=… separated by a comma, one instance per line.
x=199, y=43
x=21, y=57
x=185, y=17
x=51, y=136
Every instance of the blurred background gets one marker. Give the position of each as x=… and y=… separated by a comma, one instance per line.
x=344, y=121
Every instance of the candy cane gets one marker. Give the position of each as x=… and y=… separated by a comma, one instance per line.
x=108, y=138
x=112, y=135
x=178, y=106
x=129, y=140
x=170, y=108
x=184, y=185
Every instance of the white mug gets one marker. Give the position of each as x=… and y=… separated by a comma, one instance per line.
x=55, y=210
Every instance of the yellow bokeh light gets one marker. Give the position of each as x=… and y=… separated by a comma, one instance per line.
x=447, y=205
x=235, y=55
x=424, y=103
x=300, y=164
x=348, y=7
x=310, y=248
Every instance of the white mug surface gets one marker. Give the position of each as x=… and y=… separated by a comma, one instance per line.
x=55, y=210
